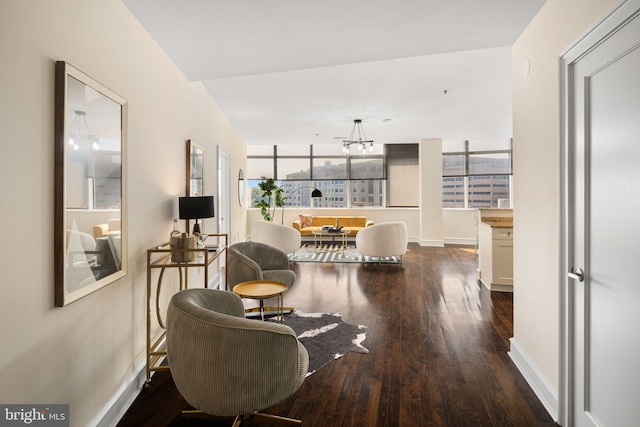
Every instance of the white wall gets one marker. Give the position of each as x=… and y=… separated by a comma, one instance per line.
x=81, y=354
x=535, y=157
x=459, y=226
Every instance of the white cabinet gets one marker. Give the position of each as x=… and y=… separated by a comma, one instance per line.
x=496, y=258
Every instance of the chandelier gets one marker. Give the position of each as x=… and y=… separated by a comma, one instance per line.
x=79, y=129
x=361, y=141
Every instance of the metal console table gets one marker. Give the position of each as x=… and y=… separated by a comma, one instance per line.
x=159, y=257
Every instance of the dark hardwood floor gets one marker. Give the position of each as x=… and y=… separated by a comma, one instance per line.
x=437, y=343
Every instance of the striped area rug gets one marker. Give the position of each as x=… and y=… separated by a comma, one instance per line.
x=328, y=253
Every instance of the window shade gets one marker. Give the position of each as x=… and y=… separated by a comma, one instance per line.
x=403, y=175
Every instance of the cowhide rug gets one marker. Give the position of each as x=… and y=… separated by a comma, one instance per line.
x=326, y=336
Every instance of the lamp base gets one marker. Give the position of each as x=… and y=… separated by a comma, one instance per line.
x=196, y=228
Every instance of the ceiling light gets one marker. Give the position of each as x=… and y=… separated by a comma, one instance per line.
x=79, y=129
x=361, y=140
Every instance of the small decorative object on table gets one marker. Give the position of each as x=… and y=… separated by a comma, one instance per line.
x=182, y=243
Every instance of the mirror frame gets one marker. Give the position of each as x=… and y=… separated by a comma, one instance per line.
x=241, y=185
x=62, y=294
x=193, y=151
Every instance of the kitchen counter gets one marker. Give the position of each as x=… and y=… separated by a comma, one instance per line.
x=498, y=222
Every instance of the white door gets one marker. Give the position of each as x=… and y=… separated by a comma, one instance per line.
x=602, y=225
x=224, y=189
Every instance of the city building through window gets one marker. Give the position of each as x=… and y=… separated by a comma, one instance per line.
x=475, y=174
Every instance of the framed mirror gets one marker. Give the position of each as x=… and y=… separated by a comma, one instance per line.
x=241, y=185
x=195, y=173
x=195, y=170
x=90, y=205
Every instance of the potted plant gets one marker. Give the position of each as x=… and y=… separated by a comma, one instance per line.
x=269, y=191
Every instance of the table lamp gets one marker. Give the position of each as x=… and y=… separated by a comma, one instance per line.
x=196, y=208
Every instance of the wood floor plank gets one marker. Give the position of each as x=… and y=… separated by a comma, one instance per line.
x=437, y=340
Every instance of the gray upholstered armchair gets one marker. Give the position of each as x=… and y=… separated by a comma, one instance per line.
x=226, y=365
x=257, y=261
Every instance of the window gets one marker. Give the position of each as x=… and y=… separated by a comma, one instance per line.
x=476, y=173
x=453, y=193
x=324, y=167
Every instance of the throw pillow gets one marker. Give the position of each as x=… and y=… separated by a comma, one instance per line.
x=305, y=220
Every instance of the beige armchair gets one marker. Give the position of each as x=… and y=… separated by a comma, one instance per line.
x=384, y=239
x=283, y=237
x=226, y=365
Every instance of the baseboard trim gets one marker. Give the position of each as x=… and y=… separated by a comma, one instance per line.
x=459, y=241
x=117, y=406
x=433, y=243
x=541, y=387
x=496, y=287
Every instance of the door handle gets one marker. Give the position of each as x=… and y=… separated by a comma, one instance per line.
x=576, y=274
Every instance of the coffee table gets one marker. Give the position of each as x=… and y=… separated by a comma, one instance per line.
x=319, y=234
x=261, y=290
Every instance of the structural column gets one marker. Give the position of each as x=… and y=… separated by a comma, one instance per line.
x=431, y=192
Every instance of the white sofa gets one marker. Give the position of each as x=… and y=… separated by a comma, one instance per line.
x=384, y=239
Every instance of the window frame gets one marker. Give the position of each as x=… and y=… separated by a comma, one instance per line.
x=348, y=183
x=467, y=153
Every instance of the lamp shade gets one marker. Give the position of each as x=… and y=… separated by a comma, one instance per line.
x=316, y=194
x=196, y=207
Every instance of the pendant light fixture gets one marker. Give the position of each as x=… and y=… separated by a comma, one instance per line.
x=357, y=137
x=79, y=129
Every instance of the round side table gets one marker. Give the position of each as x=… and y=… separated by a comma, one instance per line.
x=261, y=290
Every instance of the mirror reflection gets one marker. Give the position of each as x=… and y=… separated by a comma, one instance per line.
x=195, y=169
x=89, y=186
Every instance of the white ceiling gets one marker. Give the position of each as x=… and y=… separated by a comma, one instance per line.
x=300, y=71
